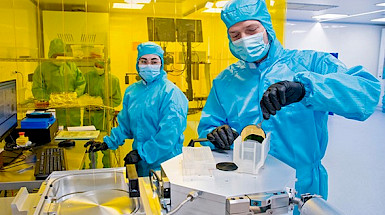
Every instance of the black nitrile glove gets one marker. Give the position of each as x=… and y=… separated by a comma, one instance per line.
x=279, y=95
x=132, y=157
x=96, y=146
x=222, y=137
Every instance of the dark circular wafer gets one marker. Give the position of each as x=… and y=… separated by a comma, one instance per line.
x=226, y=166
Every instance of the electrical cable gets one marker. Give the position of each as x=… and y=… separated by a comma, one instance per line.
x=153, y=173
x=190, y=197
x=137, y=203
x=185, y=64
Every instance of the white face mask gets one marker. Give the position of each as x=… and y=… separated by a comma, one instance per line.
x=251, y=48
x=149, y=72
x=99, y=71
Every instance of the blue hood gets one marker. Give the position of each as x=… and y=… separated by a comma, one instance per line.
x=241, y=10
x=149, y=48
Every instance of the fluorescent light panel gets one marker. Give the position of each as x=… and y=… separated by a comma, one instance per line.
x=209, y=4
x=381, y=4
x=334, y=26
x=308, y=7
x=221, y=3
x=212, y=10
x=378, y=20
x=137, y=1
x=128, y=6
x=298, y=32
x=330, y=16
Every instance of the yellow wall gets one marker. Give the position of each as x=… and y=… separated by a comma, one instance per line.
x=18, y=39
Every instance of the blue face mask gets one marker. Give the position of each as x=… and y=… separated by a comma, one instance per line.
x=149, y=72
x=251, y=48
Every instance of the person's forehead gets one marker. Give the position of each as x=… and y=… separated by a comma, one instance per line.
x=244, y=24
x=150, y=57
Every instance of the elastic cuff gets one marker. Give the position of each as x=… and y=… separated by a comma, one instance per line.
x=140, y=150
x=303, y=79
x=107, y=140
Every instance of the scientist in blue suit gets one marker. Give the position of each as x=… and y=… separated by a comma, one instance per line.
x=154, y=114
x=292, y=90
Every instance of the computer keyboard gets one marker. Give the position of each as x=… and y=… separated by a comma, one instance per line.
x=49, y=160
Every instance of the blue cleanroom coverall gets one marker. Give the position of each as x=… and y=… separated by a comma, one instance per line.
x=299, y=134
x=154, y=114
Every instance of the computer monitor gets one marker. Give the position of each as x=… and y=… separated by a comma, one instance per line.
x=161, y=29
x=183, y=26
x=8, y=108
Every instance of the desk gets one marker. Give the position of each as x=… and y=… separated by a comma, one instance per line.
x=11, y=179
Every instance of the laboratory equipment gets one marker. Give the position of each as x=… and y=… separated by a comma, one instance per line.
x=271, y=191
x=95, y=191
x=22, y=139
x=8, y=122
x=40, y=126
x=81, y=40
x=172, y=30
x=251, y=149
x=8, y=108
x=49, y=160
x=197, y=162
x=184, y=26
x=161, y=29
x=217, y=191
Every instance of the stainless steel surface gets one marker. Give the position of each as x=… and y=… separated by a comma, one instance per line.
x=93, y=162
x=64, y=186
x=261, y=203
x=98, y=202
x=237, y=205
x=94, y=191
x=318, y=206
x=275, y=176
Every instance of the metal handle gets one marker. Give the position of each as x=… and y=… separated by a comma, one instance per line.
x=193, y=141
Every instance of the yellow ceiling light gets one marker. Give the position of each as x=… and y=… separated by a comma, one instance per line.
x=128, y=6
x=220, y=4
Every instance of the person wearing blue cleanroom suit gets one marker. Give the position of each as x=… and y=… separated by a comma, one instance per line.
x=292, y=90
x=154, y=114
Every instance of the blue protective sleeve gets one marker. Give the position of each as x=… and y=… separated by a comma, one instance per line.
x=172, y=124
x=122, y=131
x=212, y=116
x=352, y=93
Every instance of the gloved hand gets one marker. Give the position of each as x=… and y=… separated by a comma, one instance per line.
x=279, y=95
x=96, y=146
x=222, y=137
x=132, y=157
